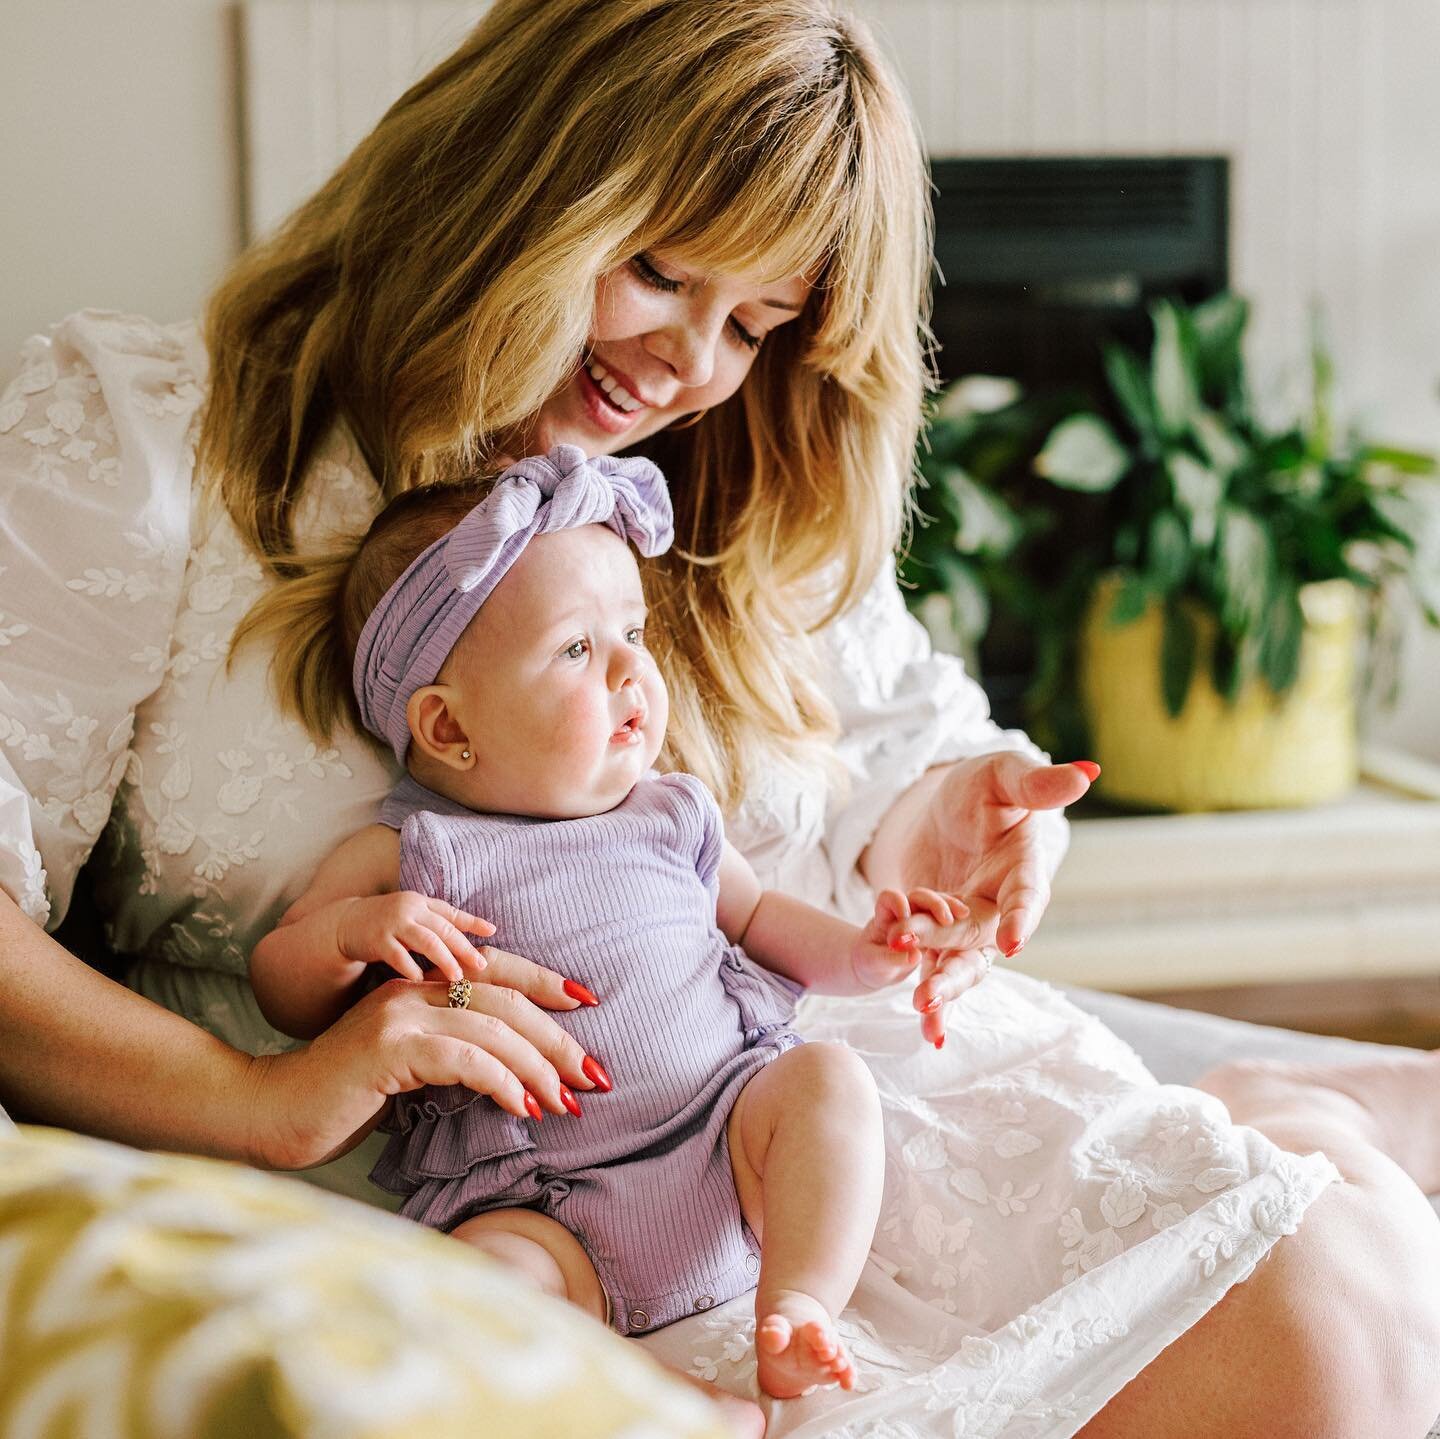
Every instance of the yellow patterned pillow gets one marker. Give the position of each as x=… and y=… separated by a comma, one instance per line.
x=157, y=1296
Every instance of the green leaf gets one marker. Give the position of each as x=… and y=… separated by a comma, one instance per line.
x=1225, y=671
x=1221, y=445
x=1131, y=386
x=984, y=523
x=1130, y=601
x=1168, y=552
x=1409, y=462
x=1177, y=656
x=1082, y=453
x=1281, y=639
x=1218, y=326
x=1197, y=492
x=1172, y=370
x=1246, y=560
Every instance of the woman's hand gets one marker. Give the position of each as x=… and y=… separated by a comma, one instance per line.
x=927, y=928
x=317, y=1103
x=977, y=838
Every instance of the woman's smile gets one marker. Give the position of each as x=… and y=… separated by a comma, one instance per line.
x=613, y=409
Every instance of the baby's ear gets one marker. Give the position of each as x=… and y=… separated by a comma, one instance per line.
x=434, y=729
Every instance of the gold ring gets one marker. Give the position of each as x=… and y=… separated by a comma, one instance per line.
x=459, y=997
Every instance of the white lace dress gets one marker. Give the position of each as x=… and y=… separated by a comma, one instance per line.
x=1052, y=1217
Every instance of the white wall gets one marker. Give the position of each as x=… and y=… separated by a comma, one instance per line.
x=119, y=162
x=121, y=173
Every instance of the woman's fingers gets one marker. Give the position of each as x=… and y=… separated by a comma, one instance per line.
x=540, y=985
x=954, y=971
x=444, y=1058
x=563, y=1061
x=1021, y=900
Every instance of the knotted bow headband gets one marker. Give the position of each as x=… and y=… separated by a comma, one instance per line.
x=423, y=614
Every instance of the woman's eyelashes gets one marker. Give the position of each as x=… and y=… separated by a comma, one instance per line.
x=645, y=269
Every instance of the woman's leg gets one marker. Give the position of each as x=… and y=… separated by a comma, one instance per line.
x=1336, y=1335
x=547, y=1254
x=807, y=1148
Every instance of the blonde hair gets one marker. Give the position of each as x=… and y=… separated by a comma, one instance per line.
x=440, y=288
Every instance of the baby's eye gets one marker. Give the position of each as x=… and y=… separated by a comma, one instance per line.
x=635, y=635
x=577, y=650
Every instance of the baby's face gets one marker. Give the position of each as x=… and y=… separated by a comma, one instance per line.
x=562, y=703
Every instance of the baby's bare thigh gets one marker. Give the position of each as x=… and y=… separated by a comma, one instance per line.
x=787, y=1090
x=543, y=1250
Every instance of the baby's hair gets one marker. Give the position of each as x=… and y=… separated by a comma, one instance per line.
x=320, y=616
x=398, y=535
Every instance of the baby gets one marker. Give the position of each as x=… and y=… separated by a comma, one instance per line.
x=506, y=667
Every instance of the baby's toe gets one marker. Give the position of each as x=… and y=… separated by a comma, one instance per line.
x=819, y=1340
x=774, y=1334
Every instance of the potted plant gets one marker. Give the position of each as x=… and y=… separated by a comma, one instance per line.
x=1213, y=571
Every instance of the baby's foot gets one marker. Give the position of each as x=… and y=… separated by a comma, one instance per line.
x=797, y=1348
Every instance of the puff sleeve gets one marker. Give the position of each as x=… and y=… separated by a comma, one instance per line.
x=903, y=708
x=96, y=460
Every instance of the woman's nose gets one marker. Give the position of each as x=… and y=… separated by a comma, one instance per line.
x=689, y=350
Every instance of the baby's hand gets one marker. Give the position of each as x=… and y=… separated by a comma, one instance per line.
x=384, y=928
x=925, y=927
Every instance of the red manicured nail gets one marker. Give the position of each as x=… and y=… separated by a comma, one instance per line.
x=569, y=1101
x=930, y=1006
x=1088, y=768
x=578, y=991
x=532, y=1106
x=902, y=941
x=1015, y=949
x=594, y=1071
x=940, y=1043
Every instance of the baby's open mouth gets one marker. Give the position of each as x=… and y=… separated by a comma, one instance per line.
x=630, y=730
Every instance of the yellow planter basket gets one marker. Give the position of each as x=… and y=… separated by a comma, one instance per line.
x=1260, y=752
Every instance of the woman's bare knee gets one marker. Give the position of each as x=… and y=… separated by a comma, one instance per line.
x=541, y=1249
x=1333, y=1336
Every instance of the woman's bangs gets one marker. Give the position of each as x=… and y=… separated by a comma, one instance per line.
x=782, y=216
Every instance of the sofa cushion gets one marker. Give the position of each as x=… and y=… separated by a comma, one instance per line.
x=152, y=1295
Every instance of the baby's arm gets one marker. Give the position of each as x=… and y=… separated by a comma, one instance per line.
x=309, y=969
x=823, y=952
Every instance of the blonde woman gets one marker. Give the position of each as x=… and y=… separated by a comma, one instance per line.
x=696, y=228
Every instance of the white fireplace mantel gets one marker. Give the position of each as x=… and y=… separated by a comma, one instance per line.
x=1349, y=890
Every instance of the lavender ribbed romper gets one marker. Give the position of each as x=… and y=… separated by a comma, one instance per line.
x=624, y=902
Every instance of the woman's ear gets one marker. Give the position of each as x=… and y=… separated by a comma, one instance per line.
x=434, y=729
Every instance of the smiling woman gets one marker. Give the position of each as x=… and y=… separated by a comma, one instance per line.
x=654, y=352
x=572, y=230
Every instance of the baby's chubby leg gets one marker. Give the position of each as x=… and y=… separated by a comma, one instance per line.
x=807, y=1148
x=546, y=1253
x=541, y=1249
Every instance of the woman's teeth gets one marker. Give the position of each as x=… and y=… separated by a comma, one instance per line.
x=615, y=392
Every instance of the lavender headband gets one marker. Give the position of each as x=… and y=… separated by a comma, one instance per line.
x=423, y=614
